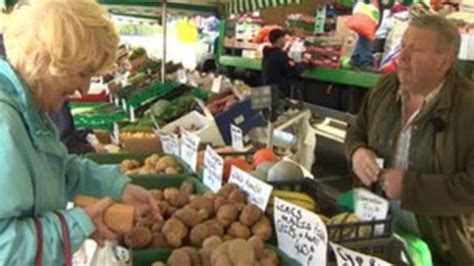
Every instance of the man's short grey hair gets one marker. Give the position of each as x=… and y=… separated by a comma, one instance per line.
x=449, y=39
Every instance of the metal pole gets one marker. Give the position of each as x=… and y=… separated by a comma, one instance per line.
x=163, y=23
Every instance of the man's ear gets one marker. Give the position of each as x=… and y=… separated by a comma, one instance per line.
x=448, y=60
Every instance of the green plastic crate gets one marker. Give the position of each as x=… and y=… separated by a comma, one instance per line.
x=162, y=182
x=117, y=158
x=147, y=257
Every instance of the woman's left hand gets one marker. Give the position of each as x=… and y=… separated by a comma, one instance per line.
x=139, y=197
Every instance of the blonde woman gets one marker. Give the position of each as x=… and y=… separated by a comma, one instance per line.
x=53, y=48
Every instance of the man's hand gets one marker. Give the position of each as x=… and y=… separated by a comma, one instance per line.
x=364, y=165
x=96, y=214
x=391, y=181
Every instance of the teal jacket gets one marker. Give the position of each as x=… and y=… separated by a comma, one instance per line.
x=38, y=177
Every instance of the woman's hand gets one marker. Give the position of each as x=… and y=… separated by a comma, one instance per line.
x=96, y=214
x=139, y=197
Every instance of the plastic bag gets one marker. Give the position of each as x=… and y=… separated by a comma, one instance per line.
x=364, y=19
x=111, y=255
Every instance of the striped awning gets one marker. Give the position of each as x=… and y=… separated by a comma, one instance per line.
x=243, y=6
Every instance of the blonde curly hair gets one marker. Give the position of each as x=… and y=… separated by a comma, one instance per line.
x=47, y=40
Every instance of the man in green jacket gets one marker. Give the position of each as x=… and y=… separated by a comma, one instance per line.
x=420, y=121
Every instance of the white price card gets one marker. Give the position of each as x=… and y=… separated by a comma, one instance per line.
x=237, y=137
x=116, y=135
x=301, y=234
x=258, y=192
x=213, y=169
x=170, y=143
x=189, y=148
x=132, y=114
x=217, y=85
x=347, y=257
x=117, y=101
x=369, y=206
x=182, y=77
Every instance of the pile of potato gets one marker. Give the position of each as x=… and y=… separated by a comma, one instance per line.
x=216, y=251
x=189, y=219
x=153, y=165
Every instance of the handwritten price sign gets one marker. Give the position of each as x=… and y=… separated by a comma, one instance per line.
x=189, y=148
x=369, y=207
x=213, y=169
x=258, y=192
x=301, y=234
x=347, y=257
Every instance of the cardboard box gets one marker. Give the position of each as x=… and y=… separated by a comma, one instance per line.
x=341, y=28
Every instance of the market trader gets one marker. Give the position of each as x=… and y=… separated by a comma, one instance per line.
x=420, y=120
x=277, y=68
x=53, y=48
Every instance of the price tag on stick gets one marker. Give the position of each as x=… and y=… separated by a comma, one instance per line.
x=213, y=169
x=170, y=143
x=301, y=234
x=189, y=148
x=369, y=207
x=237, y=138
x=258, y=192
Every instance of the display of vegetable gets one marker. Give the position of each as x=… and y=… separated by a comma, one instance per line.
x=153, y=165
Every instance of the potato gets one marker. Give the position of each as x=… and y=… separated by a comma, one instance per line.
x=165, y=162
x=198, y=234
x=239, y=230
x=222, y=249
x=138, y=237
x=157, y=227
x=152, y=160
x=179, y=258
x=201, y=202
x=269, y=258
x=163, y=206
x=175, y=231
x=187, y=187
x=215, y=227
x=175, y=197
x=193, y=253
x=227, y=189
x=223, y=260
x=157, y=194
x=128, y=165
x=237, y=196
x=158, y=241
x=263, y=228
x=171, y=171
x=227, y=214
x=209, y=244
x=258, y=246
x=158, y=263
x=241, y=252
x=219, y=202
x=190, y=217
x=250, y=215
x=226, y=238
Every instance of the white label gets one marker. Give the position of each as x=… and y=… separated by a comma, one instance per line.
x=132, y=114
x=117, y=101
x=116, y=135
x=258, y=192
x=217, y=84
x=345, y=256
x=213, y=169
x=301, y=234
x=237, y=138
x=380, y=162
x=170, y=143
x=182, y=77
x=189, y=148
x=124, y=105
x=369, y=206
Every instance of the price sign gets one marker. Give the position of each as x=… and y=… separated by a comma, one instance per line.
x=237, y=138
x=170, y=143
x=258, y=192
x=369, y=206
x=182, y=77
x=347, y=257
x=132, y=114
x=217, y=84
x=117, y=101
x=189, y=148
x=301, y=234
x=213, y=169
